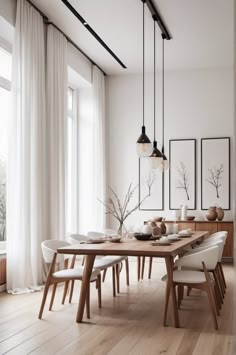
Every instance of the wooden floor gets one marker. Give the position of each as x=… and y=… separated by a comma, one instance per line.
x=131, y=323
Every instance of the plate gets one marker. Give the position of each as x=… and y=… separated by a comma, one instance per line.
x=174, y=239
x=185, y=235
x=114, y=240
x=157, y=243
x=95, y=241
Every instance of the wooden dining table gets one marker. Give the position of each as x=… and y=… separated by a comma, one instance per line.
x=130, y=248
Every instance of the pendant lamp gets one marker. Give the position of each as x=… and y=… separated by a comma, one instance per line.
x=143, y=145
x=165, y=163
x=156, y=158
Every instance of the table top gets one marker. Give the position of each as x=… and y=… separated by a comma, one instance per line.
x=132, y=247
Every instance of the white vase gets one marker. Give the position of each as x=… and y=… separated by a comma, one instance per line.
x=147, y=229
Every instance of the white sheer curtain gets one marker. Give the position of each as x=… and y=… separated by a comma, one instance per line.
x=56, y=129
x=26, y=178
x=92, y=155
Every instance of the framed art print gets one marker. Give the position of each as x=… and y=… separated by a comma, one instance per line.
x=182, y=173
x=215, y=173
x=151, y=187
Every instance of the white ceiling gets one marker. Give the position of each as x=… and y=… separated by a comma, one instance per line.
x=202, y=31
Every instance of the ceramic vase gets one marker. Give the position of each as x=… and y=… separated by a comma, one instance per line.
x=211, y=214
x=220, y=213
x=163, y=228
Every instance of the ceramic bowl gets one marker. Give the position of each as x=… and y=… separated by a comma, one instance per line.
x=142, y=236
x=190, y=218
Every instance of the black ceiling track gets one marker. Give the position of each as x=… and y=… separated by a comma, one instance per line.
x=93, y=33
x=157, y=17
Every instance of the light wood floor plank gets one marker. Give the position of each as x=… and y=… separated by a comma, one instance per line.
x=130, y=324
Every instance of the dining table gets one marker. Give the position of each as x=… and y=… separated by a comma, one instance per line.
x=131, y=247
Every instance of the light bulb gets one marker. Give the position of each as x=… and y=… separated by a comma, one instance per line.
x=164, y=165
x=155, y=162
x=143, y=145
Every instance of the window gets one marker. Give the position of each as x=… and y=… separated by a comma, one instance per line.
x=71, y=159
x=5, y=105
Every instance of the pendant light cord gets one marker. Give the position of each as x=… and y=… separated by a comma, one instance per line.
x=154, y=88
x=163, y=92
x=143, y=63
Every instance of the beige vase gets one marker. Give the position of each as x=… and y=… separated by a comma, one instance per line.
x=220, y=213
x=211, y=214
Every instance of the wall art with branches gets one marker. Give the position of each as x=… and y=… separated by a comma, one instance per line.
x=182, y=173
x=215, y=172
x=151, y=187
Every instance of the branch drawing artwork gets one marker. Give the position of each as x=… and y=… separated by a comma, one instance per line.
x=183, y=182
x=215, y=178
x=149, y=181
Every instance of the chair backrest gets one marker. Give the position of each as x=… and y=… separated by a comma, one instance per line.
x=76, y=238
x=215, y=237
x=209, y=256
x=93, y=234
x=49, y=247
x=219, y=243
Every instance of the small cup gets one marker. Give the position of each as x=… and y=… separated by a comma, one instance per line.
x=163, y=240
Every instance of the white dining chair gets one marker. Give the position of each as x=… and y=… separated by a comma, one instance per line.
x=117, y=260
x=218, y=272
x=49, y=251
x=204, y=259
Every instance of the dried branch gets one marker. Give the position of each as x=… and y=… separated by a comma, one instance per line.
x=215, y=177
x=118, y=209
x=150, y=181
x=183, y=183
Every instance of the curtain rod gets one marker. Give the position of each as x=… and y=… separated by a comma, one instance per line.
x=47, y=22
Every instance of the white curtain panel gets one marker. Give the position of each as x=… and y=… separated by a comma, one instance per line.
x=99, y=148
x=26, y=208
x=56, y=130
x=92, y=155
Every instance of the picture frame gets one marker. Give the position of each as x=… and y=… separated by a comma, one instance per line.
x=182, y=173
x=151, y=187
x=215, y=172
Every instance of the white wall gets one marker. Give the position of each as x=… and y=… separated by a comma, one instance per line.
x=198, y=104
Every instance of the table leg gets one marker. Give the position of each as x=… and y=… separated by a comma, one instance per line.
x=84, y=287
x=169, y=267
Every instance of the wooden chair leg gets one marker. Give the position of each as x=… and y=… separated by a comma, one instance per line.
x=71, y=290
x=167, y=296
x=65, y=291
x=221, y=281
x=218, y=290
x=138, y=267
x=104, y=275
x=127, y=271
x=222, y=273
x=88, y=302
x=114, y=280
x=180, y=292
x=52, y=296
x=143, y=267
x=99, y=286
x=188, y=290
x=209, y=290
x=212, y=305
x=45, y=293
x=117, y=278
x=150, y=267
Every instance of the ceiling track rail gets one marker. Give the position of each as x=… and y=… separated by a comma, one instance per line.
x=157, y=17
x=47, y=22
x=93, y=33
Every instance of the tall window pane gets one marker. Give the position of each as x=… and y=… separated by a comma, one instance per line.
x=5, y=64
